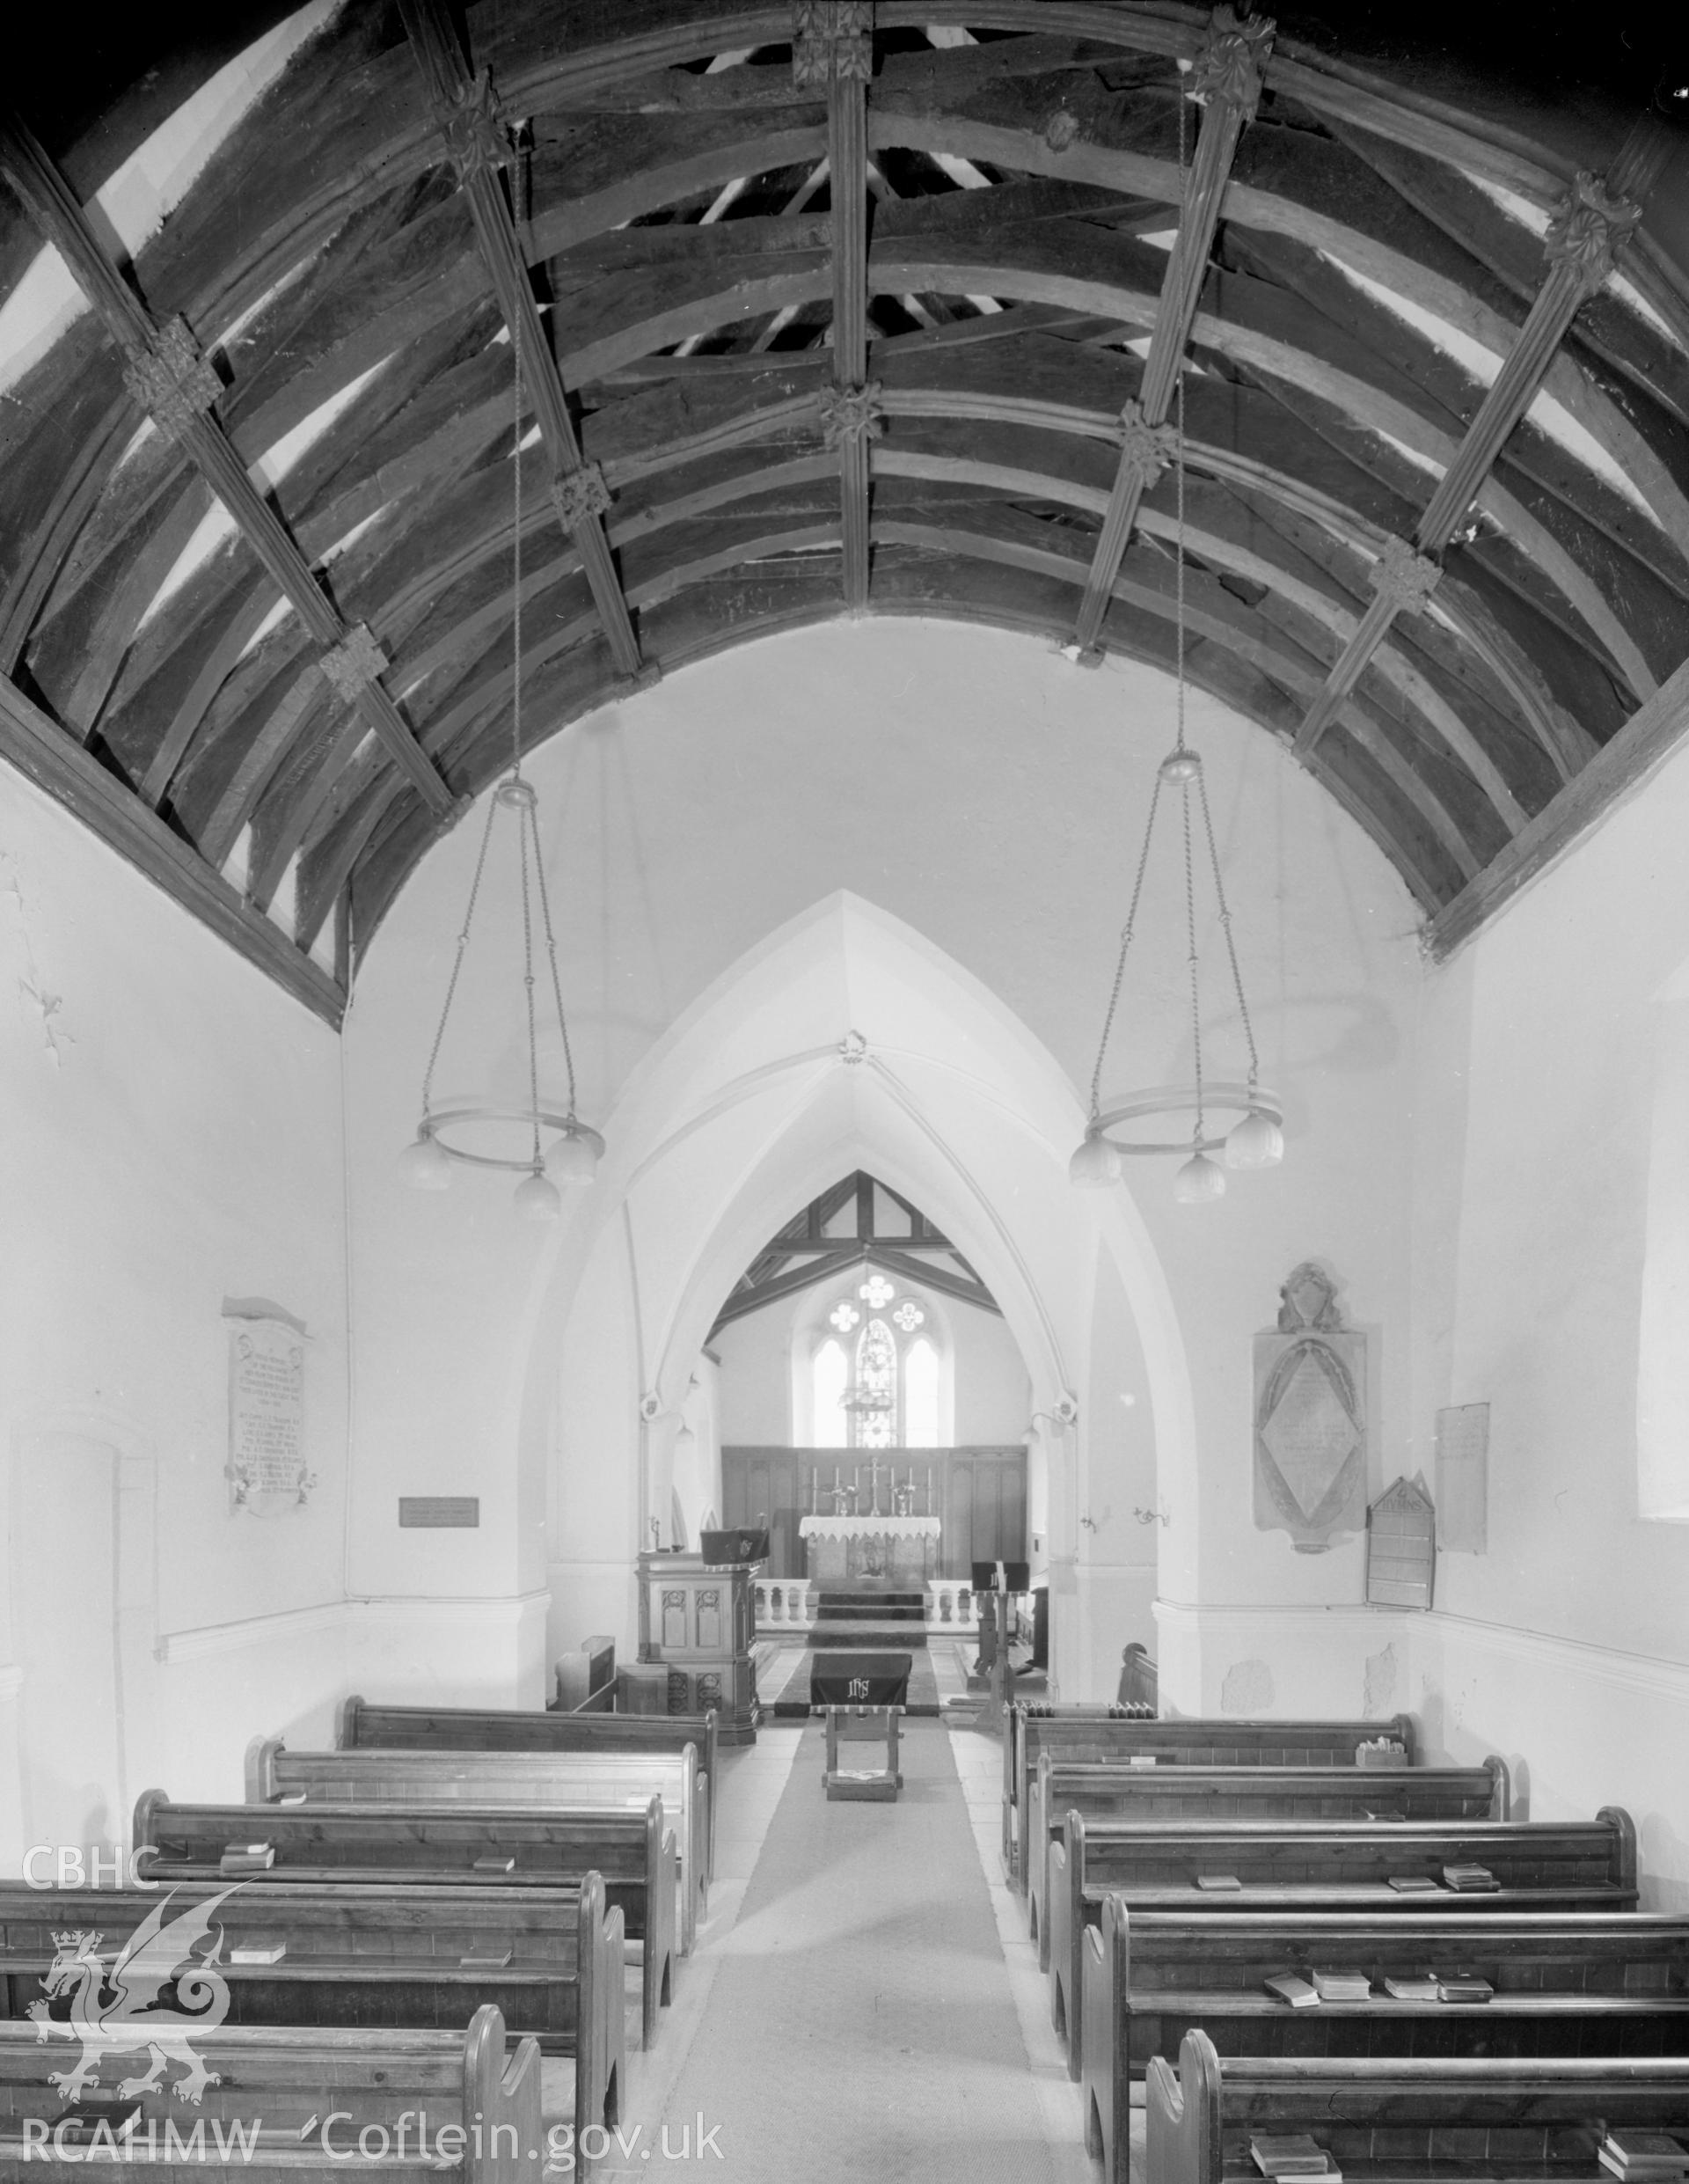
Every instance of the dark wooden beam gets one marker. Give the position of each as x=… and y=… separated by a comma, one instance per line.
x=56, y=763
x=1581, y=244
x=832, y=49
x=170, y=379
x=1226, y=80
x=1616, y=772
x=467, y=113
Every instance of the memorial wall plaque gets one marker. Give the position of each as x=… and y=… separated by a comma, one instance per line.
x=1463, y=1477
x=1309, y=1417
x=1401, y=1552
x=266, y=1469
x=439, y=1513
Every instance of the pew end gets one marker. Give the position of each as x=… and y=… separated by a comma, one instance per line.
x=262, y=1756
x=1181, y=2116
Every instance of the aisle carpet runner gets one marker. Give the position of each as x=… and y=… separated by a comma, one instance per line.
x=860, y=2024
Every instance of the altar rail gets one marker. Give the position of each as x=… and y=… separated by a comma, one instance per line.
x=789, y=1604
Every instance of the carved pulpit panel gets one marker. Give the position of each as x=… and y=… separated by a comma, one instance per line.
x=675, y=1636
x=1400, y=1548
x=1309, y=1417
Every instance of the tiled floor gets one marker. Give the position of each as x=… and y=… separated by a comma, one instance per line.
x=752, y=1783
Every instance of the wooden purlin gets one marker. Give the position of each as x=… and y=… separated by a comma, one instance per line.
x=1577, y=263
x=1231, y=62
x=57, y=213
x=469, y=130
x=832, y=43
x=40, y=749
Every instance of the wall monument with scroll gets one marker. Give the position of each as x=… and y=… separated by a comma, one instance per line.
x=1309, y=1417
x=266, y=1469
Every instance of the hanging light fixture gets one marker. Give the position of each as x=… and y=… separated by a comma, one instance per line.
x=1255, y=1138
x=546, y=1145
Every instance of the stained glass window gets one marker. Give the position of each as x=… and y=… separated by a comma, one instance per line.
x=876, y=1387
x=881, y=1381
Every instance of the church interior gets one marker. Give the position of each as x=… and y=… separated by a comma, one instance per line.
x=846, y=956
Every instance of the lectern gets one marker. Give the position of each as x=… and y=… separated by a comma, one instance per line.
x=698, y=1619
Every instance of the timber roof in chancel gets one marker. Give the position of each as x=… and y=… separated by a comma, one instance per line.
x=828, y=309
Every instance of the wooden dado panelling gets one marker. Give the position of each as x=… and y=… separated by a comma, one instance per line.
x=979, y=1494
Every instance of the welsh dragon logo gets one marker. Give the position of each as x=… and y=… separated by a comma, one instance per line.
x=118, y=2005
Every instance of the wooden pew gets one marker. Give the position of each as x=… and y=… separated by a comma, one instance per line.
x=1481, y=2120
x=406, y=1956
x=362, y=1845
x=286, y=2106
x=1109, y=1791
x=1584, y=1983
x=1107, y=1735
x=561, y=1781
x=1318, y=1864
x=366, y=1728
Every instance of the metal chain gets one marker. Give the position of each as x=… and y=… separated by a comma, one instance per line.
x=515, y=560
x=1179, y=627
x=527, y=821
x=1125, y=945
x=1196, y=996
x=1178, y=476
x=1231, y=944
x=551, y=949
x=457, y=961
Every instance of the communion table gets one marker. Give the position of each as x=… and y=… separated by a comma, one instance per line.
x=904, y=1550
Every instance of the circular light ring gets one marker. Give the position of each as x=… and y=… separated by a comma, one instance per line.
x=492, y=1115
x=1236, y=1101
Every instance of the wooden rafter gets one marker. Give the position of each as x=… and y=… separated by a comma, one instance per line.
x=832, y=49
x=41, y=751
x=1226, y=78
x=979, y=462
x=467, y=113
x=802, y=1253
x=1580, y=251
x=170, y=379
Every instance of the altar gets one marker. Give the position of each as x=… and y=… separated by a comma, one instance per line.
x=903, y=1549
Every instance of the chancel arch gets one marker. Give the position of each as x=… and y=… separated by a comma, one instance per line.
x=712, y=1171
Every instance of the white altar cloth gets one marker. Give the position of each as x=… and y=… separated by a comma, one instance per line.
x=904, y=1549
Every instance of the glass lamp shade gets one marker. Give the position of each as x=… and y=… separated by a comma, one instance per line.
x=1095, y=1165
x=571, y=1159
x=1257, y=1141
x=424, y=1164
x=1199, y=1179
x=535, y=1199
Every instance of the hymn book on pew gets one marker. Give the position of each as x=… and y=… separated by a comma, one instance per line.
x=1412, y=1986
x=1411, y=1884
x=245, y=1857
x=1469, y=1879
x=1342, y=1986
x=494, y=1866
x=1643, y=2154
x=1291, y=2153
x=1301, y=1994
x=485, y=1960
x=1227, y=1882
x=1462, y=1987
x=256, y=1952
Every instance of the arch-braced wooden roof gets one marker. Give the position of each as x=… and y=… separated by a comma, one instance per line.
x=829, y=308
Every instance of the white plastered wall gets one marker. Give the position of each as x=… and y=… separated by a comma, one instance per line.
x=173, y=1143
